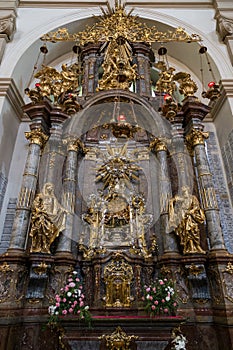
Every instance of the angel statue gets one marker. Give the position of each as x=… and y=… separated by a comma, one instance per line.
x=48, y=220
x=185, y=215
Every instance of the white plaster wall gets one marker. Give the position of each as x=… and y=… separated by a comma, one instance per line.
x=9, y=124
x=18, y=159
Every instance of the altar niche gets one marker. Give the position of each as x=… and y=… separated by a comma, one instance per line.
x=118, y=276
x=118, y=214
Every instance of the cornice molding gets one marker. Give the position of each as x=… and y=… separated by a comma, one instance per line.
x=141, y=3
x=60, y=3
x=9, y=90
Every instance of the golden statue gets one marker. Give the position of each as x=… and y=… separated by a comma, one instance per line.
x=118, y=71
x=48, y=220
x=93, y=218
x=185, y=215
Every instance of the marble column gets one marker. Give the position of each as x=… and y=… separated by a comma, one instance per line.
x=90, y=69
x=69, y=188
x=144, y=56
x=53, y=155
x=196, y=141
x=159, y=147
x=37, y=140
x=180, y=155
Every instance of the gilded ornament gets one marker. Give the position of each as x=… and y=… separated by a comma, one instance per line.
x=195, y=270
x=165, y=270
x=117, y=29
x=166, y=83
x=60, y=87
x=116, y=214
x=118, y=340
x=209, y=198
x=229, y=268
x=75, y=145
x=118, y=276
x=157, y=145
x=118, y=166
x=170, y=108
x=41, y=268
x=4, y=268
x=119, y=72
x=196, y=137
x=37, y=136
x=118, y=25
x=187, y=86
x=185, y=215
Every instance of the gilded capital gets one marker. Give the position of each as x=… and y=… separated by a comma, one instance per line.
x=196, y=137
x=37, y=136
x=75, y=145
x=157, y=145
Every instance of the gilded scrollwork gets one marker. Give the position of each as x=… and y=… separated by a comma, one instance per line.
x=118, y=340
x=195, y=270
x=166, y=83
x=115, y=24
x=4, y=268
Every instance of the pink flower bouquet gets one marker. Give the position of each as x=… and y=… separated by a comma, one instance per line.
x=70, y=301
x=160, y=298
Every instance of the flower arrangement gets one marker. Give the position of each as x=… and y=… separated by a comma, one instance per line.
x=70, y=301
x=160, y=297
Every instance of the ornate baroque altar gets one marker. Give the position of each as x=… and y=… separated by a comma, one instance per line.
x=117, y=186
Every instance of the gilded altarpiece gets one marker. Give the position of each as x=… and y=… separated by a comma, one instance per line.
x=116, y=186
